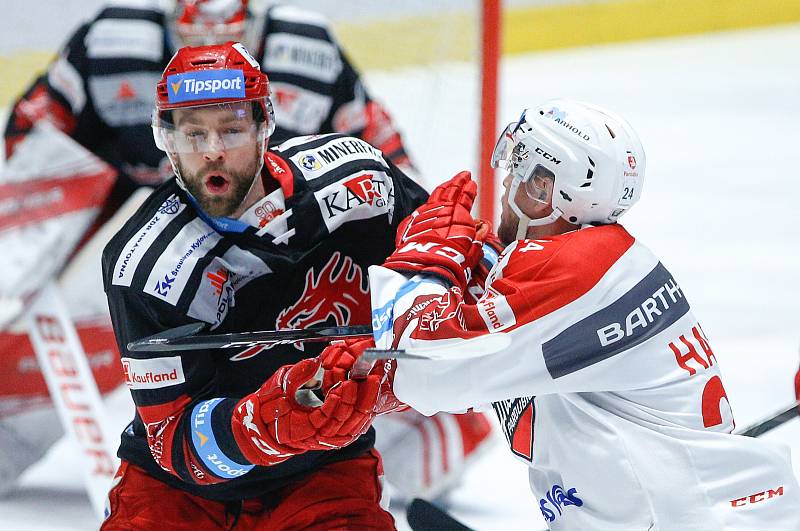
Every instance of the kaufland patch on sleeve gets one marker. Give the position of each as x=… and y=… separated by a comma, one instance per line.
x=205, y=85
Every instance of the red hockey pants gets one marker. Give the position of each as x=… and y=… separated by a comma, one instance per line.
x=343, y=495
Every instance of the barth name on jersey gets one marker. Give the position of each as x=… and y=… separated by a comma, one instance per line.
x=170, y=265
x=610, y=391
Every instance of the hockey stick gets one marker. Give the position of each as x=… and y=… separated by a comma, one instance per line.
x=453, y=350
x=770, y=422
x=424, y=516
x=462, y=349
x=188, y=337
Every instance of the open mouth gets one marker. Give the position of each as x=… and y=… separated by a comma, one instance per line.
x=217, y=184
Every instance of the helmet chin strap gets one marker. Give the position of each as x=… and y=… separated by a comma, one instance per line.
x=525, y=221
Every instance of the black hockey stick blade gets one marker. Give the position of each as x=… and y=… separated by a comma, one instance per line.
x=423, y=515
x=766, y=424
x=184, y=338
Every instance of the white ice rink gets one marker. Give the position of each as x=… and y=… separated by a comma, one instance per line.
x=719, y=117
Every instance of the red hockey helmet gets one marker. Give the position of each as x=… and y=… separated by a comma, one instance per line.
x=224, y=76
x=199, y=22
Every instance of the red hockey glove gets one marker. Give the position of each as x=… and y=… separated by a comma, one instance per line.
x=271, y=425
x=440, y=237
x=339, y=360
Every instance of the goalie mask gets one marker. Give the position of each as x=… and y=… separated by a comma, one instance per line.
x=212, y=99
x=204, y=22
x=587, y=162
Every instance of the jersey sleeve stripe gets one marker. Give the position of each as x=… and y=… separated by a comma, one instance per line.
x=651, y=306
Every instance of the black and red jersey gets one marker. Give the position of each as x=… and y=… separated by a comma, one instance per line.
x=296, y=258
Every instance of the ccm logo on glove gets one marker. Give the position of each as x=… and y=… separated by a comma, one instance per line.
x=435, y=248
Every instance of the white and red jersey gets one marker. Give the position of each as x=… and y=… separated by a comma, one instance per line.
x=609, y=391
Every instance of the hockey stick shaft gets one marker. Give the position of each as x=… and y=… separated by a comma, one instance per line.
x=455, y=350
x=772, y=421
x=188, y=337
x=423, y=515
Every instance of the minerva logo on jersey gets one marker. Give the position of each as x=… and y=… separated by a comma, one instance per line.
x=205, y=85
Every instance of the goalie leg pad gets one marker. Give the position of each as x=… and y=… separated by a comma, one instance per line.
x=424, y=457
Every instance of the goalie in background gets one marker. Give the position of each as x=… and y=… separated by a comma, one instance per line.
x=610, y=391
x=99, y=91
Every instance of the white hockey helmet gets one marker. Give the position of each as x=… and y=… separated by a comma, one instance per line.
x=595, y=157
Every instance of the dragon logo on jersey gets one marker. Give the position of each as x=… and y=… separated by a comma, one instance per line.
x=337, y=293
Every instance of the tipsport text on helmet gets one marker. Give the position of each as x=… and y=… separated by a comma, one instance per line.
x=207, y=84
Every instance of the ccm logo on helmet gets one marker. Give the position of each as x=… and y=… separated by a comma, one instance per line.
x=205, y=85
x=546, y=155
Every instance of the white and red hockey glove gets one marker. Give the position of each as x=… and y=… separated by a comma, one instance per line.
x=339, y=360
x=441, y=237
x=272, y=425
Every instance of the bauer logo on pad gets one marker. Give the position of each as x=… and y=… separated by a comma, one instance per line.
x=205, y=85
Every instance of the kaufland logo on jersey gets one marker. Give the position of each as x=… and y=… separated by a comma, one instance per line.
x=153, y=373
x=205, y=85
x=495, y=311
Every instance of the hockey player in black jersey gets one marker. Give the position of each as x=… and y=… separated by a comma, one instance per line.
x=99, y=91
x=241, y=238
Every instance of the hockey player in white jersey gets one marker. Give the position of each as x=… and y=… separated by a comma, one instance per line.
x=610, y=391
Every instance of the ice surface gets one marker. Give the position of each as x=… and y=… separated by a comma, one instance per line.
x=718, y=116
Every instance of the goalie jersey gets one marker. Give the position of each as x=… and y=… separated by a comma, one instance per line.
x=296, y=258
x=610, y=391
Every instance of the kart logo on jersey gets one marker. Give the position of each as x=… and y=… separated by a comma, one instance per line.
x=205, y=85
x=495, y=311
x=366, y=196
x=153, y=373
x=516, y=418
x=337, y=293
x=318, y=161
x=556, y=500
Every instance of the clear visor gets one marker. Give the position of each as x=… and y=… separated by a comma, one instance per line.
x=501, y=156
x=211, y=128
x=512, y=152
